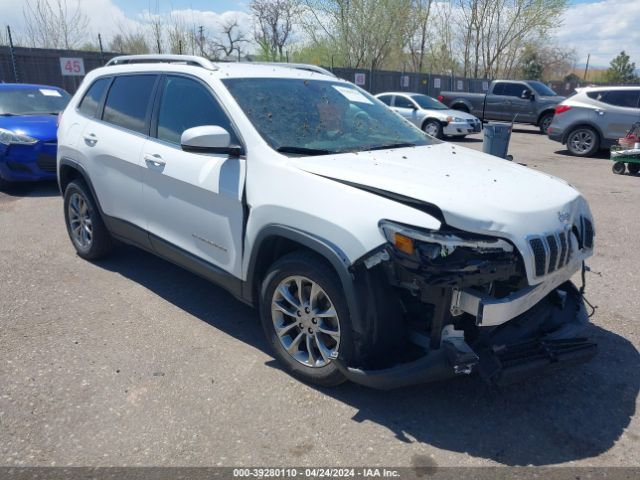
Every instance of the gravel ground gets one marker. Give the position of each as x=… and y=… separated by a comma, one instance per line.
x=132, y=361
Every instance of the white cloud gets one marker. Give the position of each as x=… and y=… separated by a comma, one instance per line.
x=108, y=19
x=602, y=29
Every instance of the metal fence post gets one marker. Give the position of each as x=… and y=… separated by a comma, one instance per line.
x=13, y=55
x=101, y=49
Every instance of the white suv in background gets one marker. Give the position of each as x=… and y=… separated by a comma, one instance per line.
x=373, y=251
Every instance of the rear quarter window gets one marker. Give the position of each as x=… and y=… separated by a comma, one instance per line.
x=92, y=99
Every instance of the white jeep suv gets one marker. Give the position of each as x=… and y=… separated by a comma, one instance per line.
x=373, y=251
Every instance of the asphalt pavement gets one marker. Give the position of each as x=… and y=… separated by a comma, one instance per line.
x=132, y=361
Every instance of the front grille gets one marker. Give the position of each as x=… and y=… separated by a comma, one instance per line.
x=587, y=233
x=46, y=162
x=539, y=254
x=553, y=251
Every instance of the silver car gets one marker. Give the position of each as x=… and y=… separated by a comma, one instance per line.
x=594, y=118
x=432, y=116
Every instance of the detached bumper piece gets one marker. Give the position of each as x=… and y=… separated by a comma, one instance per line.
x=543, y=339
x=513, y=363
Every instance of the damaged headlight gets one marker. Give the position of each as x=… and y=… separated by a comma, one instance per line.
x=435, y=244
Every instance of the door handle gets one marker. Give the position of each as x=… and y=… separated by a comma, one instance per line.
x=90, y=138
x=599, y=112
x=155, y=160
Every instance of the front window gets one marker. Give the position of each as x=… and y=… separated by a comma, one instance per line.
x=33, y=101
x=428, y=103
x=315, y=117
x=542, y=89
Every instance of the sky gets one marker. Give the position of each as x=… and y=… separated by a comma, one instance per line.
x=601, y=28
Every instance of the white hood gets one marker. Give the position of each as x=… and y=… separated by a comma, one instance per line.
x=475, y=192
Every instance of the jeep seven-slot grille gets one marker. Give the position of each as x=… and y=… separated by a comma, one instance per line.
x=553, y=251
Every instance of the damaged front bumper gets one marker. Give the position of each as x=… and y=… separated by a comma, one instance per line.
x=542, y=339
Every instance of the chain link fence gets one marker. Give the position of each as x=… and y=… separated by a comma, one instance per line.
x=43, y=66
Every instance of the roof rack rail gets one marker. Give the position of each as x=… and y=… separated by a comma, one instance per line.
x=162, y=58
x=298, y=66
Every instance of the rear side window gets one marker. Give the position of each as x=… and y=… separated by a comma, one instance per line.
x=402, y=102
x=514, y=89
x=185, y=104
x=91, y=100
x=386, y=99
x=622, y=98
x=128, y=102
x=498, y=88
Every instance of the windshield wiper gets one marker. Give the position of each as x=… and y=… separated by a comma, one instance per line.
x=304, y=150
x=8, y=114
x=391, y=145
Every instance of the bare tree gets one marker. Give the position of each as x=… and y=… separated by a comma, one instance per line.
x=230, y=40
x=182, y=39
x=364, y=33
x=418, y=32
x=274, y=22
x=131, y=43
x=54, y=24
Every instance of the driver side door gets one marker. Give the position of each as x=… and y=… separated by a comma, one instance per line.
x=192, y=201
x=407, y=109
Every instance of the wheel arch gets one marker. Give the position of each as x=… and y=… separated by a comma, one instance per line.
x=461, y=105
x=275, y=241
x=543, y=113
x=68, y=171
x=443, y=123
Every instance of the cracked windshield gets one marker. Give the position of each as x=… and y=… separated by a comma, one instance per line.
x=316, y=117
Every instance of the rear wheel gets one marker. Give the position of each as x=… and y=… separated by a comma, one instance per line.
x=583, y=141
x=544, y=123
x=86, y=229
x=619, y=168
x=433, y=128
x=305, y=317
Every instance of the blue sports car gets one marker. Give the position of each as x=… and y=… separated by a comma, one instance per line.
x=28, y=124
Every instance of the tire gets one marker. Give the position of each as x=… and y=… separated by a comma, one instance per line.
x=633, y=168
x=85, y=227
x=619, y=168
x=544, y=122
x=300, y=330
x=583, y=142
x=433, y=128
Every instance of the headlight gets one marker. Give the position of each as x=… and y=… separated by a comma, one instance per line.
x=439, y=244
x=7, y=137
x=458, y=120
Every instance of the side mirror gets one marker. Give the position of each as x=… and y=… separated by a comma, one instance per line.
x=526, y=94
x=209, y=139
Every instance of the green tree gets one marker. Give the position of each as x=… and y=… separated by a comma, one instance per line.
x=531, y=65
x=621, y=70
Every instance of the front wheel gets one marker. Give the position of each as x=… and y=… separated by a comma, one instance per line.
x=583, y=141
x=433, y=128
x=305, y=318
x=545, y=122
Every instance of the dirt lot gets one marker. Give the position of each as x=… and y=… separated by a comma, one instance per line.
x=132, y=361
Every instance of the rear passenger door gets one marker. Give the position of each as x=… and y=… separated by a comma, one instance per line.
x=497, y=103
x=622, y=110
x=192, y=201
x=112, y=144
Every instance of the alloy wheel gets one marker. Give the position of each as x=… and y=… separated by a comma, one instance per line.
x=305, y=321
x=431, y=129
x=80, y=222
x=581, y=141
